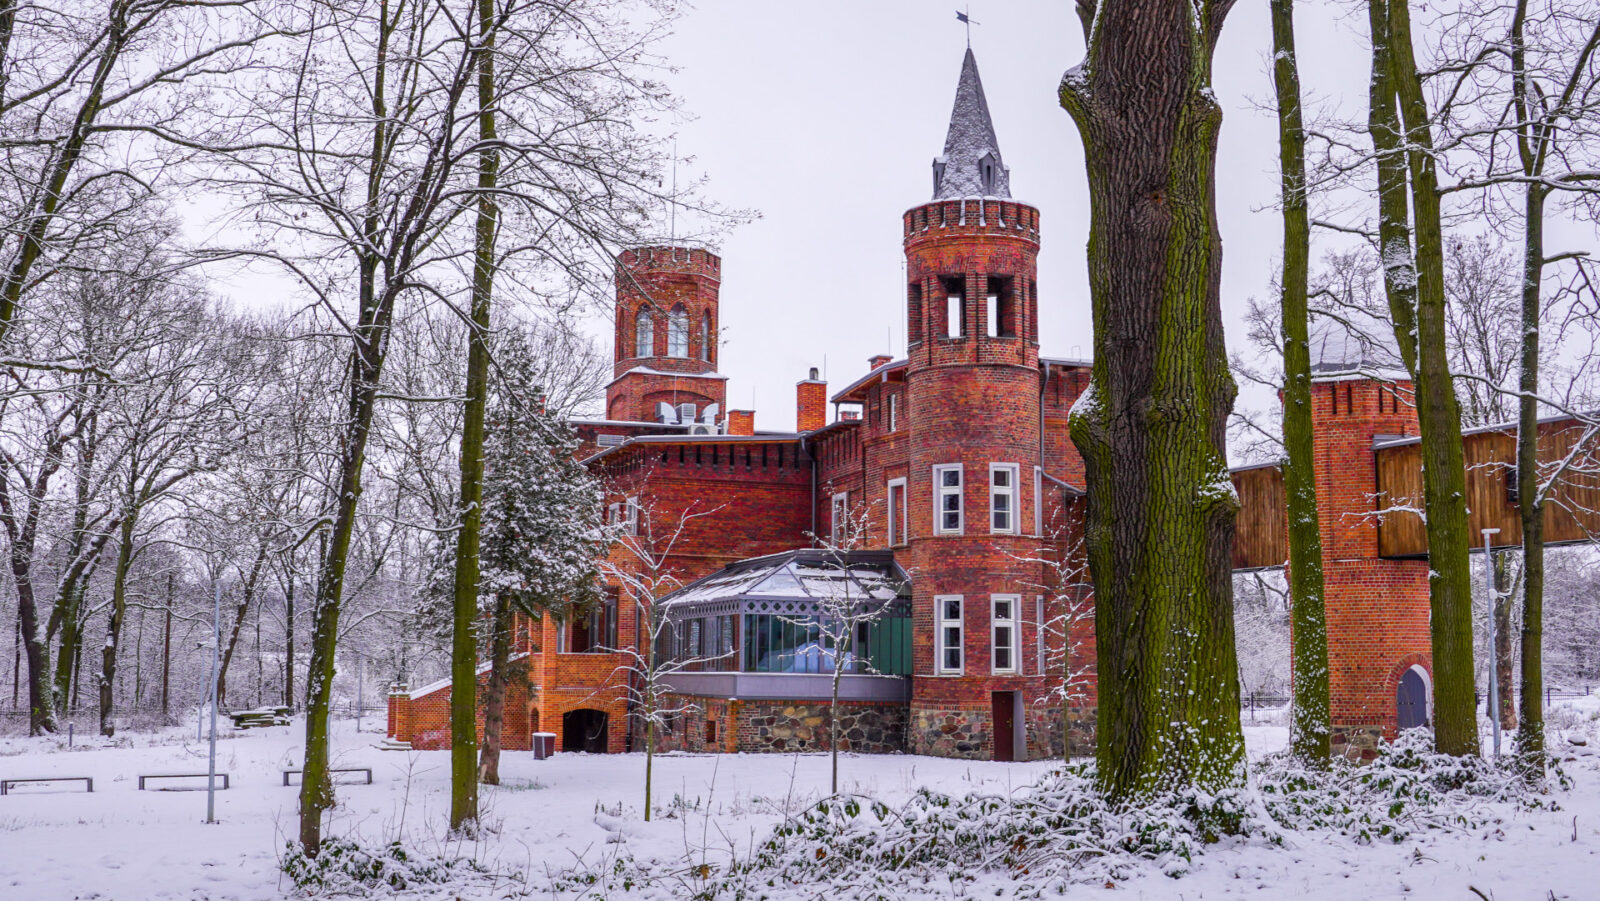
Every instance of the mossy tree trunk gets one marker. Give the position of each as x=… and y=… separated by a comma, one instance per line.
x=119, y=611
x=1412, y=254
x=1309, y=724
x=464, y=647
x=1152, y=426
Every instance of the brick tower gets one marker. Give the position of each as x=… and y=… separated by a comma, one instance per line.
x=1377, y=608
x=973, y=389
x=666, y=341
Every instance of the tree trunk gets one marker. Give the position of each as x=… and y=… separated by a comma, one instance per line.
x=288, y=642
x=1414, y=279
x=1504, y=648
x=119, y=609
x=71, y=629
x=1309, y=725
x=41, y=712
x=1152, y=426
x=494, y=699
x=166, y=648
x=464, y=646
x=248, y=591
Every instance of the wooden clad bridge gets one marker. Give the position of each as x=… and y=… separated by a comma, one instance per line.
x=1569, y=461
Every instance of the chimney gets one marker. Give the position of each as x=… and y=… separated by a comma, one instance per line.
x=811, y=403
x=873, y=362
x=741, y=422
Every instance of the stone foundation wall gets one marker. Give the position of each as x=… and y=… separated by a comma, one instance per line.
x=963, y=733
x=780, y=727
x=1356, y=742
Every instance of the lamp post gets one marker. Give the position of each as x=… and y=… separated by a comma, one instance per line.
x=216, y=649
x=1494, y=659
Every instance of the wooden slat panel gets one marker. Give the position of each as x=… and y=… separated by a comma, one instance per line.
x=1261, y=531
x=1571, y=515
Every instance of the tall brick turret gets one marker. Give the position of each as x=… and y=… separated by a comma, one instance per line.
x=666, y=335
x=1377, y=609
x=973, y=389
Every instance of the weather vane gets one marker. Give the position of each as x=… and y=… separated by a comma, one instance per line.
x=965, y=18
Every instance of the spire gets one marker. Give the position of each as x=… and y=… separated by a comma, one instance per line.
x=970, y=165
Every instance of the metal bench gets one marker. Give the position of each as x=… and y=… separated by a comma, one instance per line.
x=182, y=788
x=336, y=769
x=5, y=784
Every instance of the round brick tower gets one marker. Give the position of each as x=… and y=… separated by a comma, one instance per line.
x=666, y=335
x=973, y=390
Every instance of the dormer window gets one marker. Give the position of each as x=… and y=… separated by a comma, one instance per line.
x=988, y=173
x=938, y=175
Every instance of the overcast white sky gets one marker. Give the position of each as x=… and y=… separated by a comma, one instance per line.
x=826, y=115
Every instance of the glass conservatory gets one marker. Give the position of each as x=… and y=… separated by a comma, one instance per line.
x=776, y=626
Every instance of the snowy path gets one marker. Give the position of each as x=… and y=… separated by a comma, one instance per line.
x=119, y=843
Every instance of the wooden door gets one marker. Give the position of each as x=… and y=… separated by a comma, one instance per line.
x=1005, y=726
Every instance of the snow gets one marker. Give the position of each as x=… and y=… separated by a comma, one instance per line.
x=118, y=843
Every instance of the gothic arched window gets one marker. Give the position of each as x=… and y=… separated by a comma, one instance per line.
x=644, y=334
x=678, y=332
x=705, y=337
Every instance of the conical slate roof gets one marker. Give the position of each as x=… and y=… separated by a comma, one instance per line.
x=970, y=165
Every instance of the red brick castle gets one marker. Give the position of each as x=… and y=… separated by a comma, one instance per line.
x=951, y=477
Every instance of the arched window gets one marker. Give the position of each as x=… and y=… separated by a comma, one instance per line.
x=678, y=332
x=705, y=337
x=644, y=334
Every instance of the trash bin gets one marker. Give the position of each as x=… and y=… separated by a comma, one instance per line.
x=544, y=744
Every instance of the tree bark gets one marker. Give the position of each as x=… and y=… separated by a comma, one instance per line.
x=119, y=610
x=464, y=646
x=494, y=699
x=166, y=648
x=1152, y=426
x=288, y=638
x=1414, y=281
x=248, y=590
x=1310, y=724
x=1504, y=648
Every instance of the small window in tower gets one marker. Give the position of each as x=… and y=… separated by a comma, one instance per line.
x=894, y=411
x=1002, y=308
x=1003, y=497
x=987, y=172
x=678, y=332
x=1003, y=637
x=955, y=315
x=705, y=337
x=644, y=333
x=947, y=512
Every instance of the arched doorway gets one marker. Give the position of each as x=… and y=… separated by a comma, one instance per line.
x=584, y=730
x=1411, y=699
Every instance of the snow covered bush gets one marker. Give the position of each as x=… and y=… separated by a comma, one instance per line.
x=343, y=866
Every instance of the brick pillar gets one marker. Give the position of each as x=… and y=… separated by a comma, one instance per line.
x=741, y=422
x=1377, y=609
x=811, y=404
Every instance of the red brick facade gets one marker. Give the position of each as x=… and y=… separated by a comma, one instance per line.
x=960, y=459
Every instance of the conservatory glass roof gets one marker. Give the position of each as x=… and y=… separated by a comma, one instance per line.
x=809, y=575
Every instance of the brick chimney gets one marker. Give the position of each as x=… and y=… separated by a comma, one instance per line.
x=741, y=422
x=873, y=362
x=811, y=403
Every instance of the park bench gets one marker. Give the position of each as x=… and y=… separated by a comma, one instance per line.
x=5, y=784
x=261, y=716
x=336, y=769
x=181, y=788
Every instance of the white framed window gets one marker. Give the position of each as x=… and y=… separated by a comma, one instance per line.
x=947, y=609
x=947, y=512
x=644, y=334
x=839, y=525
x=1003, y=632
x=678, y=332
x=1003, y=498
x=631, y=516
x=898, y=534
x=894, y=411
x=1038, y=629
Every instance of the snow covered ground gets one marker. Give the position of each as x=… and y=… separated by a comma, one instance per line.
x=120, y=843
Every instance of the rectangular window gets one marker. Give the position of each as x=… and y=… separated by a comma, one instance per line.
x=955, y=308
x=632, y=516
x=1003, y=633
x=1002, y=309
x=897, y=512
x=894, y=412
x=949, y=609
x=840, y=523
x=947, y=518
x=1003, y=497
